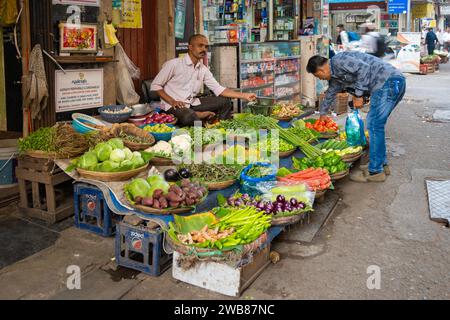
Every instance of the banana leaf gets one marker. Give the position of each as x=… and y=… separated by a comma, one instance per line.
x=196, y=222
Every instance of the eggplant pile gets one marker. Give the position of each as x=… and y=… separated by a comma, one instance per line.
x=281, y=207
x=184, y=195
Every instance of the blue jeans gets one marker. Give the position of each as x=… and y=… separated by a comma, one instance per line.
x=382, y=102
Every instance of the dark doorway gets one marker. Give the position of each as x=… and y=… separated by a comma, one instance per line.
x=13, y=75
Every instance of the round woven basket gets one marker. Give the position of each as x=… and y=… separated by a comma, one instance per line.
x=285, y=154
x=284, y=119
x=42, y=154
x=131, y=129
x=167, y=211
x=328, y=135
x=320, y=194
x=111, y=176
x=186, y=250
x=285, y=221
x=339, y=175
x=352, y=157
x=214, y=186
x=157, y=161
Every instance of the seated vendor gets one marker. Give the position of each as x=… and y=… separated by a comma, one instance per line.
x=181, y=80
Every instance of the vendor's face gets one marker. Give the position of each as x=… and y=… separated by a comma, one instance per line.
x=323, y=72
x=199, y=47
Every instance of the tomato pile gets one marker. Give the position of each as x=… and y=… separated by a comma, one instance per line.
x=323, y=125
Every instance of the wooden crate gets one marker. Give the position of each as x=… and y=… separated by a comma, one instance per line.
x=430, y=67
x=423, y=69
x=219, y=276
x=42, y=173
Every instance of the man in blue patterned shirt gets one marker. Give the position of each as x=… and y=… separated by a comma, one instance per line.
x=363, y=75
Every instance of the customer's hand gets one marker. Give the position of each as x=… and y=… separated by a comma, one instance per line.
x=323, y=117
x=178, y=104
x=249, y=96
x=358, y=103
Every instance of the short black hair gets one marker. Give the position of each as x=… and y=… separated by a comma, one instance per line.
x=314, y=63
x=341, y=26
x=196, y=36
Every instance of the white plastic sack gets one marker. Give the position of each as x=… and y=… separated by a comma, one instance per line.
x=126, y=71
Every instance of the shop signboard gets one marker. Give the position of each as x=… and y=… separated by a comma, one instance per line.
x=131, y=14
x=408, y=57
x=180, y=19
x=445, y=10
x=78, y=89
x=397, y=6
x=92, y=3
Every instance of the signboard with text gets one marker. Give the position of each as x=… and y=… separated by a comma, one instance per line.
x=397, y=6
x=78, y=89
x=93, y=3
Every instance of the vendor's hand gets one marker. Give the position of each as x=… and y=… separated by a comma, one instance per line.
x=178, y=104
x=358, y=103
x=249, y=96
x=323, y=117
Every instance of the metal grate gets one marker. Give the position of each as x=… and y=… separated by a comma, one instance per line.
x=439, y=199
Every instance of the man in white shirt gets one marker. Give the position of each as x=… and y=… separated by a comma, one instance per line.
x=446, y=39
x=181, y=80
x=342, y=40
x=440, y=36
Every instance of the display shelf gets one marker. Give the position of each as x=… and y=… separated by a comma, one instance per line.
x=286, y=72
x=258, y=87
x=287, y=96
x=271, y=59
x=288, y=84
x=84, y=59
x=287, y=58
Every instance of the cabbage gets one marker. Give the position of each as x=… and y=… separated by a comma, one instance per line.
x=117, y=155
x=116, y=143
x=109, y=166
x=103, y=151
x=128, y=153
x=137, y=154
x=137, y=162
x=155, y=179
x=138, y=188
x=88, y=161
x=126, y=165
x=163, y=185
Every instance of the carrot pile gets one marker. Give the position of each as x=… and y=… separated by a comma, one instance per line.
x=316, y=179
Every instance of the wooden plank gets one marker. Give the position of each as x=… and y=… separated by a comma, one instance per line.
x=37, y=164
x=42, y=177
x=84, y=59
x=36, y=196
x=50, y=197
x=62, y=212
x=23, y=193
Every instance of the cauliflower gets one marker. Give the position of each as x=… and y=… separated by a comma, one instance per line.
x=182, y=144
x=162, y=147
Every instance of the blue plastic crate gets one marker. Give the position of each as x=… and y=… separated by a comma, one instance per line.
x=92, y=212
x=141, y=249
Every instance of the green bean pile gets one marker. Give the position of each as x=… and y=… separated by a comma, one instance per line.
x=213, y=172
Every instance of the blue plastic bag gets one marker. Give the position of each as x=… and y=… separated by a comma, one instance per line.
x=252, y=186
x=354, y=129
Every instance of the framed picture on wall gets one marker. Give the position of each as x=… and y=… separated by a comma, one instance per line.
x=78, y=37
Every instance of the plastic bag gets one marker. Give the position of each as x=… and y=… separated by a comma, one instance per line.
x=126, y=71
x=299, y=191
x=255, y=186
x=354, y=129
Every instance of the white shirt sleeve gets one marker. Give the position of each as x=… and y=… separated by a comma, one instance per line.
x=212, y=83
x=164, y=75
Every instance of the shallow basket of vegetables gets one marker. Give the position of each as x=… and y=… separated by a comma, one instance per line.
x=286, y=154
x=219, y=232
x=111, y=176
x=133, y=137
x=164, y=199
x=161, y=161
x=339, y=175
x=351, y=157
x=214, y=176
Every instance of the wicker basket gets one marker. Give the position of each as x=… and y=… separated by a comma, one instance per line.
x=131, y=129
x=320, y=194
x=157, y=161
x=328, y=135
x=286, y=154
x=188, y=250
x=341, y=103
x=42, y=154
x=214, y=186
x=352, y=157
x=111, y=176
x=286, y=221
x=167, y=211
x=339, y=175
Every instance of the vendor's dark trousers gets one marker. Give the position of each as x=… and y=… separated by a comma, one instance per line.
x=431, y=49
x=219, y=105
x=382, y=103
